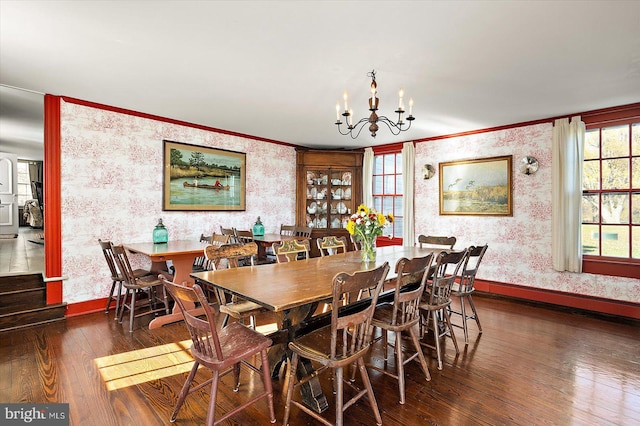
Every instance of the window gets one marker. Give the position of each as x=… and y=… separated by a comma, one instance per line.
x=24, y=183
x=388, y=190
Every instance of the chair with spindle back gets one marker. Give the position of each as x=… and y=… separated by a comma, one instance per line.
x=116, y=276
x=221, y=351
x=436, y=300
x=464, y=289
x=232, y=306
x=135, y=284
x=402, y=317
x=350, y=340
x=291, y=250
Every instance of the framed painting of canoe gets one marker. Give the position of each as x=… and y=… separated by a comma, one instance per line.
x=201, y=178
x=479, y=187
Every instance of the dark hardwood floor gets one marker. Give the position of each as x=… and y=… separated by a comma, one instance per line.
x=531, y=366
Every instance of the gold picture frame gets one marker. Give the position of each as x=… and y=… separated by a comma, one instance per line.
x=480, y=187
x=200, y=178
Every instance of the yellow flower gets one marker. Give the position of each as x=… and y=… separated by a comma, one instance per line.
x=351, y=227
x=381, y=219
x=390, y=217
x=363, y=208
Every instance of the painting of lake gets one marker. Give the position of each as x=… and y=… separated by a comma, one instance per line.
x=201, y=178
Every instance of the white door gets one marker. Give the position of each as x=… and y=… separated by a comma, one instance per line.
x=8, y=194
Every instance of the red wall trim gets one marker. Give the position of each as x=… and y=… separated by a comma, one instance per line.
x=170, y=120
x=51, y=194
x=87, y=307
x=589, y=303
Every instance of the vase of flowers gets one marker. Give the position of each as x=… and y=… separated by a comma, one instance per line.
x=366, y=225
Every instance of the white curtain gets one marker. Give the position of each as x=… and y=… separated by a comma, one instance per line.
x=568, y=154
x=408, y=179
x=367, y=177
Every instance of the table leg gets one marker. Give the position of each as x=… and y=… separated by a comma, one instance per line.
x=182, y=268
x=279, y=353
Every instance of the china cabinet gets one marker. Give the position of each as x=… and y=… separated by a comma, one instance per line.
x=329, y=190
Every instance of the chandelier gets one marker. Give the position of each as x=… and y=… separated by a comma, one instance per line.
x=354, y=130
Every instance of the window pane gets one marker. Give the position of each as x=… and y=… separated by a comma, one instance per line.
x=377, y=203
x=635, y=138
x=397, y=206
x=377, y=184
x=399, y=188
x=615, y=208
x=615, y=141
x=635, y=202
x=389, y=184
x=592, y=144
x=591, y=175
x=615, y=174
x=590, y=240
x=387, y=205
x=635, y=173
x=377, y=165
x=399, y=164
x=615, y=241
x=397, y=228
x=389, y=163
x=635, y=246
x=590, y=208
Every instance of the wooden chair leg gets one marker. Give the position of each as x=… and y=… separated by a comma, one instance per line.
x=236, y=377
x=447, y=319
x=291, y=378
x=185, y=391
x=266, y=380
x=106, y=309
x=413, y=332
x=400, y=365
x=436, y=336
x=475, y=314
x=211, y=412
x=132, y=310
x=339, y=388
x=367, y=384
x=463, y=312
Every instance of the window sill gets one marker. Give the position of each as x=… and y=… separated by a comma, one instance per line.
x=611, y=266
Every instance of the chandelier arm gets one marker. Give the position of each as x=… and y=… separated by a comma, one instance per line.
x=359, y=124
x=393, y=127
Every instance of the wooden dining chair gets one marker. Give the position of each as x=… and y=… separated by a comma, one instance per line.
x=230, y=232
x=343, y=343
x=198, y=262
x=288, y=230
x=463, y=289
x=243, y=236
x=356, y=244
x=402, y=317
x=303, y=231
x=435, y=303
x=230, y=305
x=220, y=350
x=291, y=250
x=330, y=244
x=115, y=294
x=156, y=300
x=430, y=241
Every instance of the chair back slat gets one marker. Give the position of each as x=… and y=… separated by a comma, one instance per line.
x=447, y=269
x=243, y=237
x=204, y=335
x=351, y=330
x=288, y=250
x=124, y=266
x=302, y=231
x=107, y=251
x=288, y=230
x=470, y=267
x=430, y=241
x=331, y=244
x=409, y=286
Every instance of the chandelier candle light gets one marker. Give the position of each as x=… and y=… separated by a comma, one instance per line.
x=366, y=225
x=374, y=119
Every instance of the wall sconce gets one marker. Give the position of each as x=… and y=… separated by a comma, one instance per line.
x=428, y=171
x=528, y=165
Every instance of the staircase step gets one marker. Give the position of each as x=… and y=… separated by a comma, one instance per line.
x=11, y=283
x=21, y=300
x=29, y=317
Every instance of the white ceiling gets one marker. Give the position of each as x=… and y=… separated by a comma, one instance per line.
x=275, y=69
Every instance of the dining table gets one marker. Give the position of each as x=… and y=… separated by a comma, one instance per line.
x=293, y=291
x=182, y=254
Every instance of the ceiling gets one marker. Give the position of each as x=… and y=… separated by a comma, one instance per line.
x=275, y=69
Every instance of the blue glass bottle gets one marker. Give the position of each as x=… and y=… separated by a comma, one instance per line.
x=160, y=234
x=258, y=228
